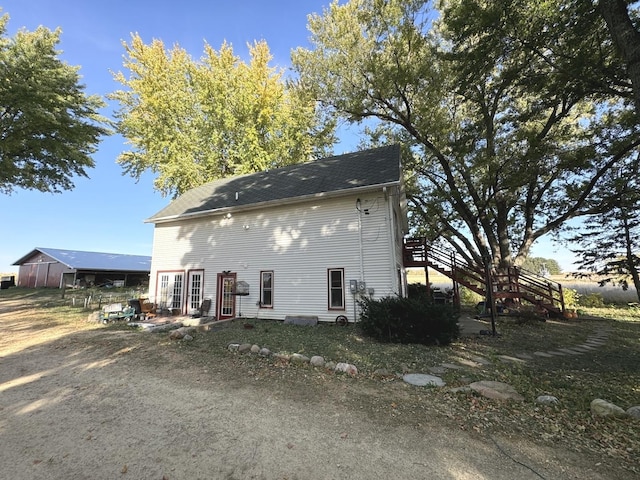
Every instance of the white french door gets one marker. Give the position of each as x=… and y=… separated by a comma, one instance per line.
x=195, y=286
x=171, y=290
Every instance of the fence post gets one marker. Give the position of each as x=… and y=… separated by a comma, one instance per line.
x=490, y=299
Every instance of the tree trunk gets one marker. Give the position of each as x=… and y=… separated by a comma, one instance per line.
x=631, y=264
x=626, y=38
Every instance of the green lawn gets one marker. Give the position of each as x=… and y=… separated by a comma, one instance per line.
x=612, y=371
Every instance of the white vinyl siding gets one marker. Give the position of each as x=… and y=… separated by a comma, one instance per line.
x=297, y=242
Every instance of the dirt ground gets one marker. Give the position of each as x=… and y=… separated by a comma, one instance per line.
x=84, y=402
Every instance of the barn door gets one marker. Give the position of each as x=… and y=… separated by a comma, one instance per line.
x=226, y=300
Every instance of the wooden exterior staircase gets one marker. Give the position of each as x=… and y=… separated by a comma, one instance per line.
x=513, y=286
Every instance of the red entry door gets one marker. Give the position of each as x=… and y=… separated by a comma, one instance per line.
x=226, y=303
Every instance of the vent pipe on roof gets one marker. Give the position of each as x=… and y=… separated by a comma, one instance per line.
x=236, y=196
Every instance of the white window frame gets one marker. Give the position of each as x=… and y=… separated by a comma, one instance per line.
x=331, y=289
x=264, y=304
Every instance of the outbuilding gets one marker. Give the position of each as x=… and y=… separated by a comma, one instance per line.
x=57, y=268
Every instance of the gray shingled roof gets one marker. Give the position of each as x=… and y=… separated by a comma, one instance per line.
x=80, y=260
x=374, y=167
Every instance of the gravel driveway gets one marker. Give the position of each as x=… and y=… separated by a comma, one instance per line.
x=100, y=404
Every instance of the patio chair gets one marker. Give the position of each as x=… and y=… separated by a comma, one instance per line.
x=147, y=308
x=204, y=309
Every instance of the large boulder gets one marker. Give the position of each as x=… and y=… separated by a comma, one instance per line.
x=634, y=411
x=496, y=390
x=423, y=380
x=603, y=408
x=346, y=368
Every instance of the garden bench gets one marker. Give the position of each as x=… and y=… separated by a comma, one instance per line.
x=115, y=311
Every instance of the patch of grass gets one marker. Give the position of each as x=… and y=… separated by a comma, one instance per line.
x=334, y=343
x=609, y=371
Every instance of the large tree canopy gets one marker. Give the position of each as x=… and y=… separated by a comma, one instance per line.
x=192, y=122
x=625, y=36
x=513, y=110
x=48, y=126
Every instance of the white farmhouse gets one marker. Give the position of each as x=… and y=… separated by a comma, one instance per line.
x=303, y=240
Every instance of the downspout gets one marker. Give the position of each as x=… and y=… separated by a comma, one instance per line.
x=392, y=230
x=358, y=208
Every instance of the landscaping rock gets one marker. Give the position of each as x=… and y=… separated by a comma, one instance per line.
x=382, y=373
x=451, y=366
x=317, y=361
x=330, y=365
x=438, y=370
x=602, y=408
x=346, y=368
x=634, y=412
x=423, y=380
x=164, y=327
x=176, y=335
x=187, y=338
x=298, y=358
x=233, y=347
x=264, y=352
x=282, y=357
x=244, y=348
x=547, y=400
x=255, y=348
x=496, y=390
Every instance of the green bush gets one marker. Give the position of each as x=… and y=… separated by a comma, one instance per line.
x=469, y=297
x=418, y=290
x=593, y=300
x=571, y=297
x=409, y=320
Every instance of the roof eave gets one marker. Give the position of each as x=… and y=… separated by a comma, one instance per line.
x=21, y=260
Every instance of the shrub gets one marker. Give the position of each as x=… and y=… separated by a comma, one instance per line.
x=409, y=320
x=571, y=297
x=469, y=297
x=418, y=290
x=593, y=300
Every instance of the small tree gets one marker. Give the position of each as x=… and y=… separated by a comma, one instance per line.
x=542, y=266
x=610, y=243
x=48, y=126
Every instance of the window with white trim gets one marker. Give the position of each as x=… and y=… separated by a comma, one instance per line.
x=266, y=289
x=335, y=282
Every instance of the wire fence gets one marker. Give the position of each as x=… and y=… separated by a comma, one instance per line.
x=95, y=299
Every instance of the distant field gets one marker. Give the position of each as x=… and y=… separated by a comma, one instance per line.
x=609, y=293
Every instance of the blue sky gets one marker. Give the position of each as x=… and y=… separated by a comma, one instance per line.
x=105, y=212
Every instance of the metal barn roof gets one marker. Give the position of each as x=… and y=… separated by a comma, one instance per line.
x=80, y=260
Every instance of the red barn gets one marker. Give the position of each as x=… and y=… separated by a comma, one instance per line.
x=55, y=268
